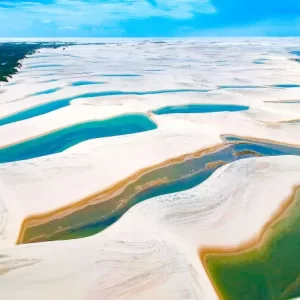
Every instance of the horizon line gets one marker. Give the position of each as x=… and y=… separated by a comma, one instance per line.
x=156, y=37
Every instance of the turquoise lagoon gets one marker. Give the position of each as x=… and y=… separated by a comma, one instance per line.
x=286, y=86
x=260, y=61
x=51, y=106
x=62, y=139
x=259, y=147
x=199, y=108
x=86, y=82
x=38, y=66
x=164, y=180
x=46, y=92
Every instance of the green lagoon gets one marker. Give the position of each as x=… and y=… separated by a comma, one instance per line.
x=268, y=271
x=172, y=178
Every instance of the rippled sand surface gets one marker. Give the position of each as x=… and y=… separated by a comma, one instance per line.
x=141, y=207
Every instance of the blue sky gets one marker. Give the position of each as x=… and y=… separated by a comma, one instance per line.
x=149, y=18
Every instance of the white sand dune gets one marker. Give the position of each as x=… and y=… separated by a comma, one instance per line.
x=49, y=182
x=151, y=252
x=46, y=183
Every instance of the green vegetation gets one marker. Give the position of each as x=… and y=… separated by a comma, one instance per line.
x=270, y=271
x=11, y=55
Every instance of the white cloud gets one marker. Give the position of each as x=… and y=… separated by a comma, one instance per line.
x=84, y=12
x=67, y=14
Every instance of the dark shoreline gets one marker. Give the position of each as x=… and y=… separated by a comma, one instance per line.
x=96, y=212
x=264, y=267
x=12, y=54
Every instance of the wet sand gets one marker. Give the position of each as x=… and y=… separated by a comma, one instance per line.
x=104, y=207
x=255, y=243
x=109, y=193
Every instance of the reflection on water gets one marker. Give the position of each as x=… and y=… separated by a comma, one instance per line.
x=62, y=139
x=108, y=207
x=199, y=108
x=286, y=86
x=41, y=66
x=269, y=270
x=261, y=147
x=94, y=218
x=51, y=106
x=82, y=82
x=260, y=61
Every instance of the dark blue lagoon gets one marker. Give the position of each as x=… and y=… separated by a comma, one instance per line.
x=51, y=106
x=249, y=147
x=33, y=112
x=286, y=86
x=50, y=80
x=80, y=83
x=62, y=139
x=296, y=52
x=37, y=66
x=199, y=108
x=260, y=61
x=174, y=177
x=46, y=92
x=94, y=218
